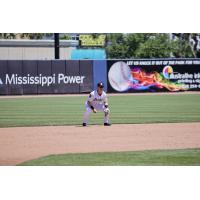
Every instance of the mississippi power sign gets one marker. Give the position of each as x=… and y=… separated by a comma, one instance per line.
x=15, y=79
x=45, y=77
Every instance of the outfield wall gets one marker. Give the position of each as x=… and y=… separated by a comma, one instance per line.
x=21, y=77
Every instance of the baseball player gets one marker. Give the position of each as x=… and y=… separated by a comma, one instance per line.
x=97, y=101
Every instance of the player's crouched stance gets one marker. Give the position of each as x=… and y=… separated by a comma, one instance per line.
x=97, y=101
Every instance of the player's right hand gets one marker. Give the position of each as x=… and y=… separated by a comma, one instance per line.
x=94, y=110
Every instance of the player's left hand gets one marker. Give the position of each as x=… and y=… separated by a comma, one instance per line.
x=94, y=110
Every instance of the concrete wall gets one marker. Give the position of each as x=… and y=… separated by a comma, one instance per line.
x=33, y=53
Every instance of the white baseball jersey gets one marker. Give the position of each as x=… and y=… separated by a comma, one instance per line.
x=96, y=99
x=98, y=102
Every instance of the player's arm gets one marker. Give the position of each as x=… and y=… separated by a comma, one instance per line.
x=89, y=102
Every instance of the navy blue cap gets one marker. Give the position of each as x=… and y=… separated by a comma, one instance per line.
x=100, y=84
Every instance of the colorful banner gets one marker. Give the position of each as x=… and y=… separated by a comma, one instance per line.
x=153, y=75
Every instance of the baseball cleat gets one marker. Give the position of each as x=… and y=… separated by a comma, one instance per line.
x=84, y=124
x=107, y=124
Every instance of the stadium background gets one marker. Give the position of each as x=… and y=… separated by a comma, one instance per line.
x=150, y=128
x=93, y=72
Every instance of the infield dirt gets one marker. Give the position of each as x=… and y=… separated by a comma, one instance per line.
x=20, y=144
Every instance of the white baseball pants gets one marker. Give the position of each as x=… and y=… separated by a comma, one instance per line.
x=89, y=111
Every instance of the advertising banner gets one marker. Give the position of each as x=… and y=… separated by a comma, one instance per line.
x=13, y=77
x=153, y=75
x=86, y=71
x=45, y=71
x=92, y=40
x=19, y=77
x=3, y=72
x=29, y=67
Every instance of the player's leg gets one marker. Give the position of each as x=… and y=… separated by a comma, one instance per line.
x=106, y=119
x=106, y=116
x=86, y=115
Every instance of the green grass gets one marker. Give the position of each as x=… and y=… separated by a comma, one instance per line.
x=64, y=110
x=187, y=157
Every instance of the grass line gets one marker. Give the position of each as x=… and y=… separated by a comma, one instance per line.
x=185, y=157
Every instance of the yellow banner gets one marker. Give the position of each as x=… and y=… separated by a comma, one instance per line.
x=89, y=40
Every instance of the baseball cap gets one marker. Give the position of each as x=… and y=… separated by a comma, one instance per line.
x=100, y=84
